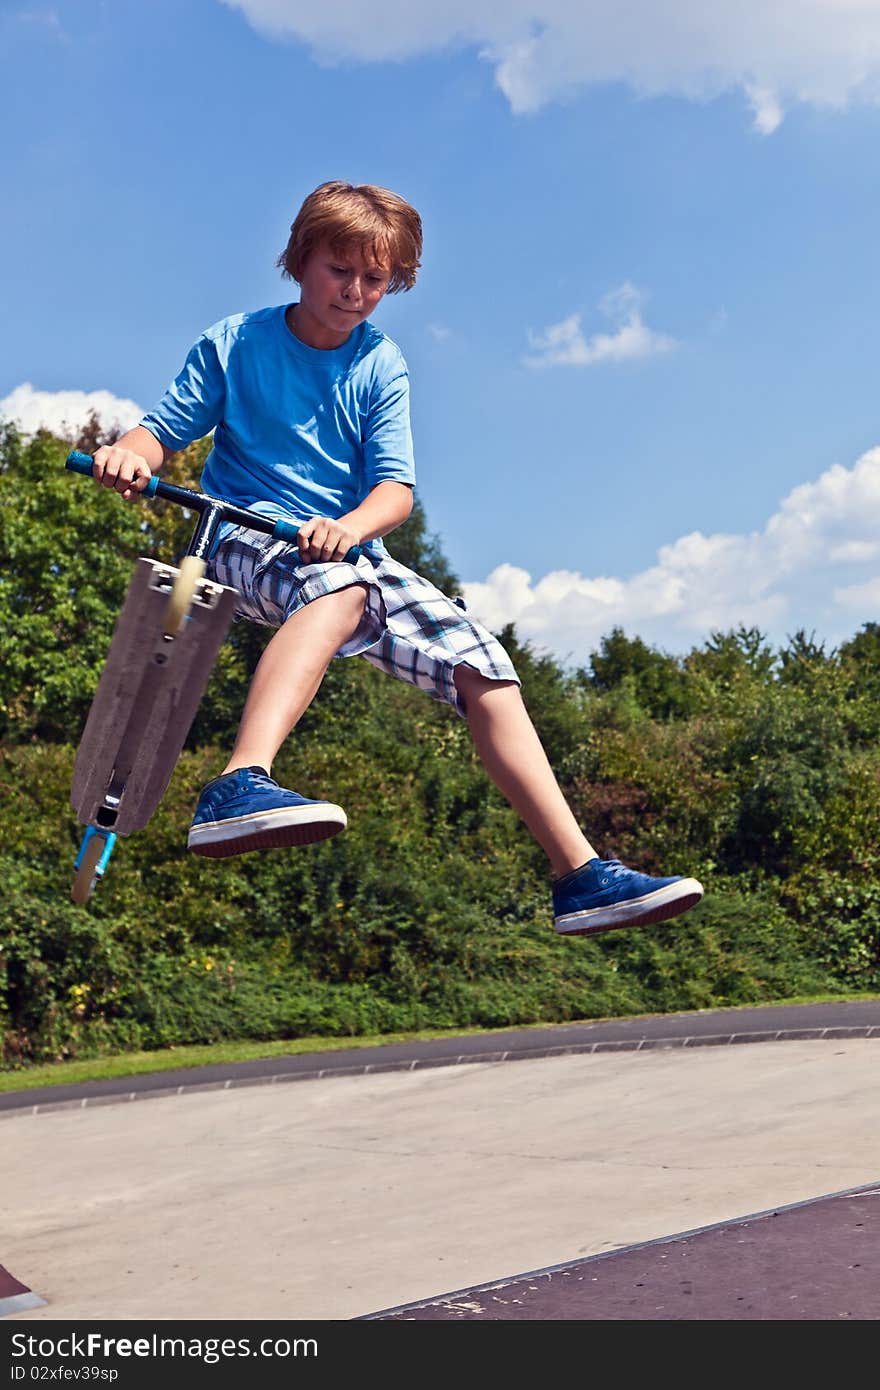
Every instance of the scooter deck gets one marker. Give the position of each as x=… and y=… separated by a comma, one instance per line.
x=146, y=699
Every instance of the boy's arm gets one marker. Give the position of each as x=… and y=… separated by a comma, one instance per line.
x=189, y=409
x=129, y=464
x=385, y=506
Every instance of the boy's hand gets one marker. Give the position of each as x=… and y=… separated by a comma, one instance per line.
x=321, y=540
x=121, y=469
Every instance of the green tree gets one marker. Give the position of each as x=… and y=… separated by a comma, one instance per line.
x=787, y=754
x=802, y=659
x=657, y=680
x=758, y=770
x=733, y=658
x=66, y=553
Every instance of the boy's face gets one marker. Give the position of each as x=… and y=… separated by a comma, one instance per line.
x=338, y=290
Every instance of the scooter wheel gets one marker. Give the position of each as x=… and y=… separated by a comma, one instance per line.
x=85, y=876
x=180, y=599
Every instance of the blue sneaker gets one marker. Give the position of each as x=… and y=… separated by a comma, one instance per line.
x=604, y=894
x=246, y=809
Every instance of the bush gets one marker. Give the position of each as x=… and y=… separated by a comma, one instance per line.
x=754, y=770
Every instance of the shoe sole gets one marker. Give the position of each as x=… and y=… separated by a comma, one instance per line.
x=659, y=906
x=282, y=829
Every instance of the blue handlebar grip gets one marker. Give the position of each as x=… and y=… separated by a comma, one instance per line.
x=82, y=463
x=285, y=531
x=288, y=531
x=79, y=463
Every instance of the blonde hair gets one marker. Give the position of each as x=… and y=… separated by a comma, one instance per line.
x=380, y=222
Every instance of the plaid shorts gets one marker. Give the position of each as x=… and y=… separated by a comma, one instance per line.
x=409, y=628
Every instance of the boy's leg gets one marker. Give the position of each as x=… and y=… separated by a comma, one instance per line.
x=290, y=672
x=244, y=808
x=590, y=895
x=514, y=758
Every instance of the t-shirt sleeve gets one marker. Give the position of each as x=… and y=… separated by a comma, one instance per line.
x=388, y=444
x=193, y=403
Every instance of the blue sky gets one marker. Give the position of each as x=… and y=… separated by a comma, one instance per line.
x=642, y=343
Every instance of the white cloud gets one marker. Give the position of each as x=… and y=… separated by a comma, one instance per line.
x=45, y=18
x=820, y=52
x=65, y=412
x=815, y=565
x=854, y=552
x=859, y=597
x=564, y=345
x=767, y=112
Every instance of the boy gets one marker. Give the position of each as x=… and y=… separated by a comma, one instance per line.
x=309, y=404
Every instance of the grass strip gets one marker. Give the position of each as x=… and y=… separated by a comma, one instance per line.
x=70, y=1073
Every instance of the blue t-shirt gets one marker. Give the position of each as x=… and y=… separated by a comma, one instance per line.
x=298, y=432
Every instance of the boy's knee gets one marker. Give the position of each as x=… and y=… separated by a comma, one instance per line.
x=351, y=601
x=355, y=596
x=470, y=682
x=342, y=609
x=466, y=677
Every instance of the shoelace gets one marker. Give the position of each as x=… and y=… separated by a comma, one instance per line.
x=259, y=779
x=612, y=869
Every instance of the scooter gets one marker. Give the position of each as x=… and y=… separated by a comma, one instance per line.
x=163, y=650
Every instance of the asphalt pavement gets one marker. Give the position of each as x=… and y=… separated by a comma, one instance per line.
x=394, y=1175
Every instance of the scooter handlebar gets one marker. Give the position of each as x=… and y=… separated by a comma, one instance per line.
x=280, y=530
